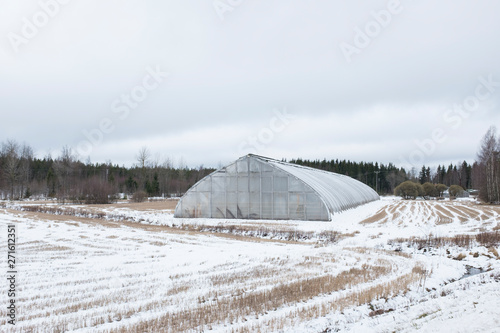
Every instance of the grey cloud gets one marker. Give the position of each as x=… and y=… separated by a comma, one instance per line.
x=233, y=73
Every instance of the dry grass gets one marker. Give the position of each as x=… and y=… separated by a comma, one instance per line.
x=62, y=210
x=383, y=290
x=242, y=304
x=224, y=230
x=433, y=242
x=197, y=298
x=158, y=205
x=240, y=234
x=231, y=231
x=235, y=298
x=494, y=251
x=486, y=239
x=364, y=250
x=90, y=303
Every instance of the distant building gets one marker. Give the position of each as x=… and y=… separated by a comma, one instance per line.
x=256, y=187
x=473, y=192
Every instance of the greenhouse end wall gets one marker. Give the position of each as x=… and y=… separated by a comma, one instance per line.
x=250, y=188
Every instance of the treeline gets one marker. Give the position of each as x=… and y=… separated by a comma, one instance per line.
x=68, y=179
x=482, y=175
x=389, y=176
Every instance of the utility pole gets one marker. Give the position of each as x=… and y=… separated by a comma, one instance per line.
x=376, y=180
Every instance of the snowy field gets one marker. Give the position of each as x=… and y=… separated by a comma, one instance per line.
x=388, y=266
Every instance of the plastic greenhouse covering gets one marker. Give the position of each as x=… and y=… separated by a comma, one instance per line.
x=255, y=187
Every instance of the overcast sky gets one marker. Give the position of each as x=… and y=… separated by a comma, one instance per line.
x=407, y=82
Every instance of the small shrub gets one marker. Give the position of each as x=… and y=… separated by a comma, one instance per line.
x=97, y=191
x=139, y=196
x=440, y=188
x=455, y=190
x=430, y=190
x=409, y=190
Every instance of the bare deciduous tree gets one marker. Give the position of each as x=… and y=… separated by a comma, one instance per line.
x=26, y=159
x=488, y=166
x=64, y=167
x=143, y=157
x=11, y=165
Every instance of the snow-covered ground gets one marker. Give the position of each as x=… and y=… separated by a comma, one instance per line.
x=143, y=270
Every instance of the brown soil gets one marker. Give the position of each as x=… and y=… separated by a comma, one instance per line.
x=378, y=217
x=443, y=212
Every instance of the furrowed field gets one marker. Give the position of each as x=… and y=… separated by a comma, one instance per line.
x=390, y=265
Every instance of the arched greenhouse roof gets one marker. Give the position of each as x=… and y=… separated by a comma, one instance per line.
x=339, y=192
x=256, y=187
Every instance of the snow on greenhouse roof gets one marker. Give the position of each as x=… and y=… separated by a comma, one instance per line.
x=337, y=191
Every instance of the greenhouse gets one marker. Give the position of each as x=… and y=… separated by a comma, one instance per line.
x=256, y=187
